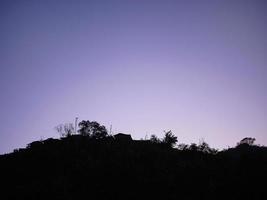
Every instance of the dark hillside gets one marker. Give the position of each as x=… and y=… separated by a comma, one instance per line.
x=79, y=167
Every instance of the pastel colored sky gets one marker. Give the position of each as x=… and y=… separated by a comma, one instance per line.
x=195, y=67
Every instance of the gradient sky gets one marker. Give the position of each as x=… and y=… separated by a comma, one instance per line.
x=195, y=67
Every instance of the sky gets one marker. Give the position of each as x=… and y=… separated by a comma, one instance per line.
x=197, y=68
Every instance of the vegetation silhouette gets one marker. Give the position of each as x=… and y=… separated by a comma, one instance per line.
x=65, y=130
x=92, y=129
x=95, y=165
x=169, y=139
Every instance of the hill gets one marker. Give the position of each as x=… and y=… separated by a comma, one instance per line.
x=79, y=167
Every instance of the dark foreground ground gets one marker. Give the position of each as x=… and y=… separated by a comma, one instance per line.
x=82, y=168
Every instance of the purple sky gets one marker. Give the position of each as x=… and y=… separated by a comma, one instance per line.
x=195, y=67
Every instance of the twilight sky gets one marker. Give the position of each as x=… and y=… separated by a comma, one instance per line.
x=195, y=67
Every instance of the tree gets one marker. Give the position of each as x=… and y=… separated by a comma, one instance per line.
x=169, y=139
x=183, y=147
x=65, y=130
x=205, y=148
x=193, y=147
x=92, y=129
x=247, y=140
x=154, y=139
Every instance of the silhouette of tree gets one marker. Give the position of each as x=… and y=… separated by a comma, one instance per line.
x=65, y=130
x=193, y=147
x=154, y=139
x=183, y=146
x=169, y=139
x=205, y=148
x=247, y=140
x=92, y=129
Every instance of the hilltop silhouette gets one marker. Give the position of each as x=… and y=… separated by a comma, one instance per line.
x=96, y=165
